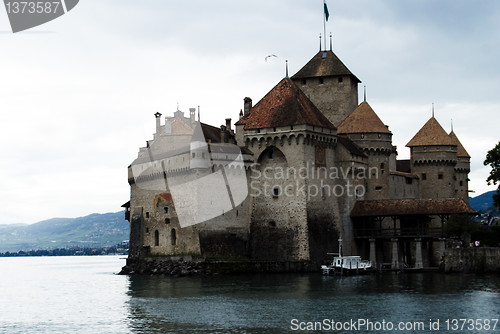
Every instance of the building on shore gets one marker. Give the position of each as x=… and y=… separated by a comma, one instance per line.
x=305, y=165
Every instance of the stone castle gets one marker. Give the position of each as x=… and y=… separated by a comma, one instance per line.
x=316, y=166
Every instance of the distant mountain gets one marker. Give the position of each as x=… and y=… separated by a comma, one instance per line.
x=482, y=202
x=95, y=230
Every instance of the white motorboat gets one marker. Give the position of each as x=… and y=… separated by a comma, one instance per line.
x=345, y=264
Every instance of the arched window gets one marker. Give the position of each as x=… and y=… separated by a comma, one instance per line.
x=157, y=238
x=173, y=236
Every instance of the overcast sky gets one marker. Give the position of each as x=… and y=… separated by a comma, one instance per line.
x=78, y=94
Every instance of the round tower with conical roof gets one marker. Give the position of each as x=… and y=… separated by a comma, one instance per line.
x=367, y=130
x=462, y=170
x=433, y=159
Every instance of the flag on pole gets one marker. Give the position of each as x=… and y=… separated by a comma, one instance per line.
x=327, y=15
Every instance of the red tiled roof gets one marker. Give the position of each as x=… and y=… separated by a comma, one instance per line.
x=284, y=105
x=405, y=207
x=362, y=120
x=461, y=152
x=431, y=134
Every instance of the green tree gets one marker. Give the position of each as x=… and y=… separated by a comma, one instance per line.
x=458, y=226
x=493, y=159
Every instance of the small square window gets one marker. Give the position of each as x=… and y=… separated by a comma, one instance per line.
x=304, y=81
x=276, y=192
x=461, y=183
x=167, y=220
x=341, y=79
x=165, y=209
x=321, y=81
x=440, y=176
x=424, y=176
x=147, y=214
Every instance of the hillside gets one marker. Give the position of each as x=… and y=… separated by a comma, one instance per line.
x=482, y=202
x=95, y=230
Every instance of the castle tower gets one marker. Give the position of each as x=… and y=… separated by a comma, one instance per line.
x=434, y=158
x=294, y=216
x=367, y=130
x=329, y=84
x=462, y=170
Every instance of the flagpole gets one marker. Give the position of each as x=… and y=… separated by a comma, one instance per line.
x=324, y=22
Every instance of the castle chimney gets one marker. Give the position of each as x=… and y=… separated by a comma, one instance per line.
x=247, y=105
x=157, y=116
x=228, y=124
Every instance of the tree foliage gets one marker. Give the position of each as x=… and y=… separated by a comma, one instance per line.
x=458, y=225
x=493, y=159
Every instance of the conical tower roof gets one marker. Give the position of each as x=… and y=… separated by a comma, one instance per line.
x=362, y=120
x=431, y=134
x=284, y=105
x=461, y=152
x=324, y=64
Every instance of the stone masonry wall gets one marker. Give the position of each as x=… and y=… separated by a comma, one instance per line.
x=335, y=97
x=478, y=260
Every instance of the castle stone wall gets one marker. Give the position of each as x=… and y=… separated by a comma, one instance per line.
x=335, y=97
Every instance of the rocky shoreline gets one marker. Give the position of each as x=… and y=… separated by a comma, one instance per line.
x=177, y=266
x=168, y=267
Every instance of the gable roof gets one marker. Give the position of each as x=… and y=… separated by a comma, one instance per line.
x=431, y=134
x=404, y=207
x=179, y=126
x=284, y=105
x=362, y=120
x=461, y=152
x=324, y=64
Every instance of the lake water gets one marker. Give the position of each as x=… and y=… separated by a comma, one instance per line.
x=83, y=295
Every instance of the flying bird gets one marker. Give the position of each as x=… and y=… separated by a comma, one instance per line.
x=273, y=55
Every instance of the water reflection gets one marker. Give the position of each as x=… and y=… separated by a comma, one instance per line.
x=267, y=303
